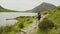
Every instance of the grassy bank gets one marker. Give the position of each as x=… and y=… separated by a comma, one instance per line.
x=23, y=21
x=6, y=10
x=54, y=16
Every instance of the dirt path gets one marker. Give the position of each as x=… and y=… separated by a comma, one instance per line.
x=32, y=28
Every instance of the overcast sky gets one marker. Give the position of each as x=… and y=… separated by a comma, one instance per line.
x=22, y=5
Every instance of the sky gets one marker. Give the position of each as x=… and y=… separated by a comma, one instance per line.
x=22, y=5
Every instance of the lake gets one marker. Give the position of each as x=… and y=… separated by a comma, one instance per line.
x=11, y=15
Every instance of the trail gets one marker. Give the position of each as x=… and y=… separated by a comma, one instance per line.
x=32, y=28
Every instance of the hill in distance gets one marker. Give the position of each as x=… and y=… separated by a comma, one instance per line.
x=1, y=7
x=43, y=7
x=5, y=10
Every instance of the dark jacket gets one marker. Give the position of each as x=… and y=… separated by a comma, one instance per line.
x=39, y=15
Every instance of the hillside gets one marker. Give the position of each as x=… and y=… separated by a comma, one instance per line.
x=53, y=17
x=8, y=10
x=5, y=10
x=1, y=7
x=43, y=7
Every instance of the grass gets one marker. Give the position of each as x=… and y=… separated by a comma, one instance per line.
x=54, y=16
x=26, y=20
x=22, y=22
x=6, y=10
x=39, y=31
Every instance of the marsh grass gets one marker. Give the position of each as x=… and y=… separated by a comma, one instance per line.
x=23, y=21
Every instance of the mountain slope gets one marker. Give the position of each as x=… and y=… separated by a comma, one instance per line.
x=54, y=15
x=43, y=7
x=1, y=7
x=5, y=10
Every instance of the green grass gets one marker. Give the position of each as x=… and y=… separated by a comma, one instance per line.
x=22, y=22
x=6, y=10
x=54, y=16
x=26, y=20
x=39, y=31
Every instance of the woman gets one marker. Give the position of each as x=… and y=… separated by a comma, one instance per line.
x=39, y=16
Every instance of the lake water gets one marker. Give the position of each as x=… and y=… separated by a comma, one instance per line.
x=10, y=15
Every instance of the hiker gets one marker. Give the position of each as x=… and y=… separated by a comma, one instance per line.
x=39, y=16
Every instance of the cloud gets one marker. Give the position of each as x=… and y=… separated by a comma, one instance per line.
x=25, y=4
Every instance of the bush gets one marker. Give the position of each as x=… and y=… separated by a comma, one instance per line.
x=5, y=29
x=28, y=19
x=58, y=8
x=21, y=25
x=21, y=16
x=45, y=13
x=46, y=24
x=30, y=22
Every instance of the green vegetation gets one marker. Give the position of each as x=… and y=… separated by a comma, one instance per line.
x=7, y=30
x=23, y=21
x=54, y=17
x=46, y=24
x=6, y=10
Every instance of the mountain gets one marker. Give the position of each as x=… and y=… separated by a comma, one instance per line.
x=43, y=7
x=1, y=7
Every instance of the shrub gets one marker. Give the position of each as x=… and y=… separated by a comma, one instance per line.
x=33, y=16
x=45, y=13
x=5, y=29
x=30, y=22
x=46, y=24
x=21, y=25
x=58, y=8
x=28, y=19
x=21, y=16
